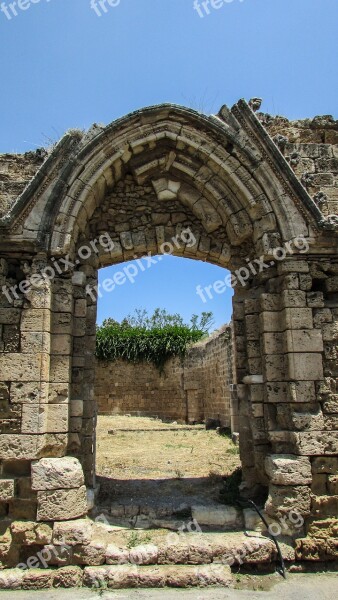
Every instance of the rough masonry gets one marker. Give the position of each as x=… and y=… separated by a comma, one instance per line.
x=246, y=185
x=189, y=390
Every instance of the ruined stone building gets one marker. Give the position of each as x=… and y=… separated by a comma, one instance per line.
x=255, y=190
x=193, y=390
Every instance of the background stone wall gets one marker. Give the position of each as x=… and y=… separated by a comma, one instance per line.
x=311, y=148
x=190, y=390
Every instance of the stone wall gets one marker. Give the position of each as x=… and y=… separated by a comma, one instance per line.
x=189, y=390
x=143, y=179
x=311, y=148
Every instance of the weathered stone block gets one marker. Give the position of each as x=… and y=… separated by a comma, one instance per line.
x=73, y=533
x=62, y=505
x=57, y=418
x=301, y=391
x=325, y=464
x=76, y=408
x=116, y=555
x=269, y=322
x=296, y=318
x=287, y=469
x=7, y=490
x=24, y=367
x=68, y=577
x=57, y=473
x=35, y=319
x=293, y=299
x=18, y=446
x=304, y=340
x=283, y=499
x=305, y=366
x=146, y=554
x=31, y=534
x=92, y=554
x=275, y=367
x=325, y=506
x=11, y=579
x=222, y=516
x=37, y=579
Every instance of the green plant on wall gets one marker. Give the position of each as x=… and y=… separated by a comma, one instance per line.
x=153, y=339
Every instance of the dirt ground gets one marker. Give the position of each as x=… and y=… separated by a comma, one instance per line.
x=146, y=453
x=138, y=461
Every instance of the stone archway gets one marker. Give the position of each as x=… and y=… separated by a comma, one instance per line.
x=124, y=191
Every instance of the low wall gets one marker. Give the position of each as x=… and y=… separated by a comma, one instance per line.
x=190, y=390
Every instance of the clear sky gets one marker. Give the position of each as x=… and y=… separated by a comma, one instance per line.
x=63, y=66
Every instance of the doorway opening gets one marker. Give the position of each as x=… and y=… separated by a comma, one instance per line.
x=164, y=446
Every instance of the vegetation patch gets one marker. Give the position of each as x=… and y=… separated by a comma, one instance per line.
x=153, y=339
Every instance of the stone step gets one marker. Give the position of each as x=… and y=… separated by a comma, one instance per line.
x=177, y=576
x=117, y=577
x=170, y=515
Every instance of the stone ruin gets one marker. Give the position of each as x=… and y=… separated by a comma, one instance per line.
x=192, y=389
x=250, y=187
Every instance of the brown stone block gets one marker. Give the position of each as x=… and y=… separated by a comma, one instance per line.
x=37, y=579
x=92, y=554
x=323, y=528
x=303, y=340
x=52, y=445
x=34, y=342
x=23, y=367
x=284, y=499
x=68, y=577
x=315, y=299
x=277, y=391
x=316, y=443
x=269, y=322
x=61, y=344
x=311, y=549
x=331, y=284
x=275, y=367
x=7, y=490
x=301, y=391
x=305, y=366
x=22, y=509
x=30, y=392
x=34, y=418
x=59, y=369
x=29, y=533
x=325, y=506
x=18, y=446
x=61, y=323
x=288, y=469
x=325, y=464
x=293, y=266
x=270, y=302
x=35, y=319
x=273, y=343
x=293, y=299
x=73, y=533
x=296, y=318
x=10, y=316
x=62, y=505
x=333, y=485
x=318, y=486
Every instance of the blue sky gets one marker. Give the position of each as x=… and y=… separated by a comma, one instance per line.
x=62, y=66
